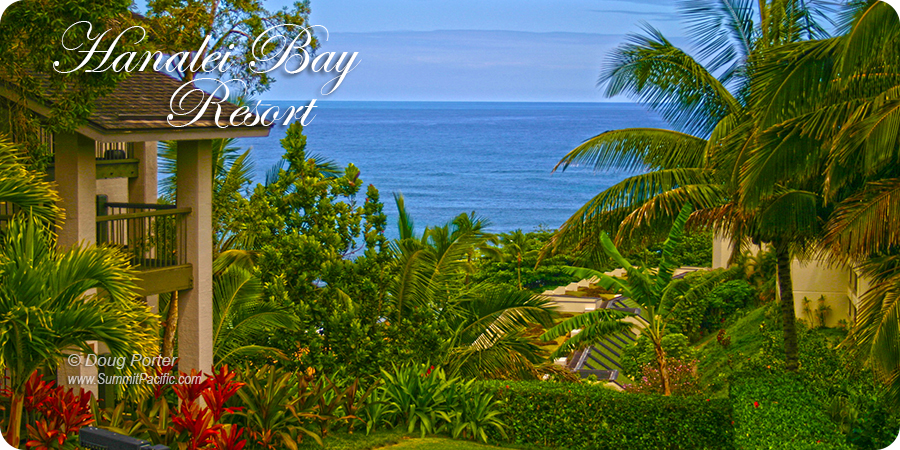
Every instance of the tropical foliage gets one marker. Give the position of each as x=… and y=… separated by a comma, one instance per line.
x=48, y=308
x=657, y=293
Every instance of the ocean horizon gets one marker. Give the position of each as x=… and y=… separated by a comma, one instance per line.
x=492, y=158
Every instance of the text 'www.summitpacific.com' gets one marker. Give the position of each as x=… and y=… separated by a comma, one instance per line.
x=141, y=378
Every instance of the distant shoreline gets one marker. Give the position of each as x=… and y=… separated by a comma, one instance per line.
x=586, y=102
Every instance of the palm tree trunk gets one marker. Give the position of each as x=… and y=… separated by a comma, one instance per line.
x=519, y=271
x=168, y=347
x=788, y=316
x=663, y=368
x=15, y=419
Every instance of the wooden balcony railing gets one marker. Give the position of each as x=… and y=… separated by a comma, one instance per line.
x=154, y=236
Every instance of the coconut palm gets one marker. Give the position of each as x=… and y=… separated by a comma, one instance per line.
x=714, y=133
x=516, y=246
x=829, y=111
x=47, y=307
x=657, y=293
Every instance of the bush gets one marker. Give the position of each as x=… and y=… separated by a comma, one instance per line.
x=423, y=398
x=706, y=315
x=581, y=416
x=636, y=357
x=778, y=411
x=683, y=379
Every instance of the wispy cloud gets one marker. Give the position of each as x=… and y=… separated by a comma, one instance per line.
x=647, y=15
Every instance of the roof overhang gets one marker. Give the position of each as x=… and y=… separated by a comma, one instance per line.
x=170, y=133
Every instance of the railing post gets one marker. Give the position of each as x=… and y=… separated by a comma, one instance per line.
x=102, y=227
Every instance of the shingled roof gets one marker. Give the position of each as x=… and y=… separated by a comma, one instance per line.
x=138, y=108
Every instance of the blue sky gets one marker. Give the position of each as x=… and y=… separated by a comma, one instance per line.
x=473, y=50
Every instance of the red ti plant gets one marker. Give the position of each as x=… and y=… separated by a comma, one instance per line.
x=221, y=388
x=191, y=391
x=200, y=421
x=159, y=389
x=37, y=392
x=230, y=438
x=63, y=413
x=43, y=437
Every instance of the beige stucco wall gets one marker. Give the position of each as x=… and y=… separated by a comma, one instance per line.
x=115, y=189
x=811, y=279
x=721, y=251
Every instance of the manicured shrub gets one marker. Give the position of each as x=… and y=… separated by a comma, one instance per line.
x=582, y=416
x=683, y=379
x=774, y=410
x=642, y=353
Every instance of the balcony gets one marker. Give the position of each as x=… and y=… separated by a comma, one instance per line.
x=154, y=238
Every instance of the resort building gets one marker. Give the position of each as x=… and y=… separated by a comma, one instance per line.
x=817, y=284
x=106, y=175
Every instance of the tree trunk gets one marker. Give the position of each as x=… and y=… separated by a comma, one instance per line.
x=788, y=317
x=519, y=271
x=168, y=347
x=663, y=368
x=15, y=419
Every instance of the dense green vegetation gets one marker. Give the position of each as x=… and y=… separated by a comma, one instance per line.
x=582, y=416
x=783, y=137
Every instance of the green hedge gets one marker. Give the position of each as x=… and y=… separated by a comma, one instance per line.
x=580, y=416
x=777, y=411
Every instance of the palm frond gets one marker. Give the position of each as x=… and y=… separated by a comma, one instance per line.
x=632, y=149
x=23, y=189
x=586, y=320
x=656, y=73
x=865, y=223
x=723, y=29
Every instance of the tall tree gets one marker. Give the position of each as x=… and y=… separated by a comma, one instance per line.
x=232, y=26
x=32, y=44
x=828, y=111
x=699, y=162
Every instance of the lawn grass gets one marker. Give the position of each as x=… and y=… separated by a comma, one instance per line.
x=397, y=438
x=719, y=362
x=358, y=440
x=437, y=443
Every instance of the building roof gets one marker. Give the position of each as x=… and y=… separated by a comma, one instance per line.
x=139, y=107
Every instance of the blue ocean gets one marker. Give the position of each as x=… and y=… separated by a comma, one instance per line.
x=495, y=159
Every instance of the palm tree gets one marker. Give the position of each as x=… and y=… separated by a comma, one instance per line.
x=231, y=179
x=832, y=106
x=487, y=321
x=657, y=293
x=45, y=303
x=47, y=308
x=489, y=338
x=240, y=313
x=699, y=162
x=22, y=189
x=516, y=246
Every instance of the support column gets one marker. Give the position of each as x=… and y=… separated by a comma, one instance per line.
x=76, y=177
x=194, y=190
x=143, y=189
